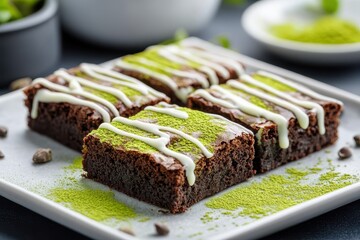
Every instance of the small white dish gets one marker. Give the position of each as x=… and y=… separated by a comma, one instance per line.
x=259, y=17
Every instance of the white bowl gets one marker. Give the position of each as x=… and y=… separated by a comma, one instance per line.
x=134, y=23
x=258, y=18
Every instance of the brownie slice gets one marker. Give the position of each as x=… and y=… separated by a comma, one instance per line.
x=69, y=104
x=177, y=70
x=170, y=171
x=288, y=120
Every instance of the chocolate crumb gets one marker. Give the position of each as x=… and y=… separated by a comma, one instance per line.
x=42, y=155
x=344, y=153
x=1, y=155
x=161, y=229
x=357, y=140
x=20, y=83
x=163, y=211
x=127, y=231
x=3, y=131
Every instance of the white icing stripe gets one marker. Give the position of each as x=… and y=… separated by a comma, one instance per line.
x=317, y=108
x=201, y=79
x=232, y=101
x=202, y=61
x=239, y=69
x=191, y=57
x=114, y=77
x=76, y=89
x=169, y=111
x=244, y=129
x=302, y=117
x=252, y=109
x=82, y=81
x=298, y=87
x=44, y=95
x=181, y=93
x=194, y=42
x=165, y=53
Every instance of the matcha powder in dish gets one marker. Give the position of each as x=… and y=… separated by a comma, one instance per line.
x=325, y=30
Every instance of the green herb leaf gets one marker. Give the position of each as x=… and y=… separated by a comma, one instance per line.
x=179, y=35
x=234, y=2
x=11, y=10
x=223, y=41
x=330, y=6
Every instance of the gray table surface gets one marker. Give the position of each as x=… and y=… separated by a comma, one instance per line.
x=17, y=222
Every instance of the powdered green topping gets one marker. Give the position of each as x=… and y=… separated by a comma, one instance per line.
x=325, y=30
x=107, y=96
x=136, y=60
x=273, y=83
x=278, y=192
x=129, y=92
x=203, y=125
x=76, y=165
x=154, y=56
x=96, y=204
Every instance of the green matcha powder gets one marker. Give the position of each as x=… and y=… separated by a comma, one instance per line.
x=325, y=30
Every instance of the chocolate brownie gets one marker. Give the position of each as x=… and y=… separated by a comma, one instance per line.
x=67, y=105
x=169, y=156
x=289, y=120
x=177, y=70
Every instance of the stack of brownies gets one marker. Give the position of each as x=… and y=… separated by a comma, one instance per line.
x=227, y=125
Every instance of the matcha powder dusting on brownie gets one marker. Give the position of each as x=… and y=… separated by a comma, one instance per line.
x=277, y=192
x=207, y=127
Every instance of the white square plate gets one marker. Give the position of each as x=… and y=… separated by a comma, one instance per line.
x=28, y=184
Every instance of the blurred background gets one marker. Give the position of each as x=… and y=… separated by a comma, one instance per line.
x=316, y=38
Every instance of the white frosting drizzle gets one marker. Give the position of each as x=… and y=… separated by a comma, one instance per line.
x=161, y=142
x=230, y=100
x=181, y=93
x=201, y=79
x=317, y=108
x=244, y=129
x=164, y=52
x=111, y=76
x=169, y=111
x=202, y=61
x=44, y=95
x=74, y=89
x=239, y=69
x=298, y=87
x=302, y=117
x=193, y=42
x=82, y=81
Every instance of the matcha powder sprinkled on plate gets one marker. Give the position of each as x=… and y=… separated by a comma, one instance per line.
x=277, y=192
x=99, y=205
x=325, y=30
x=96, y=204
